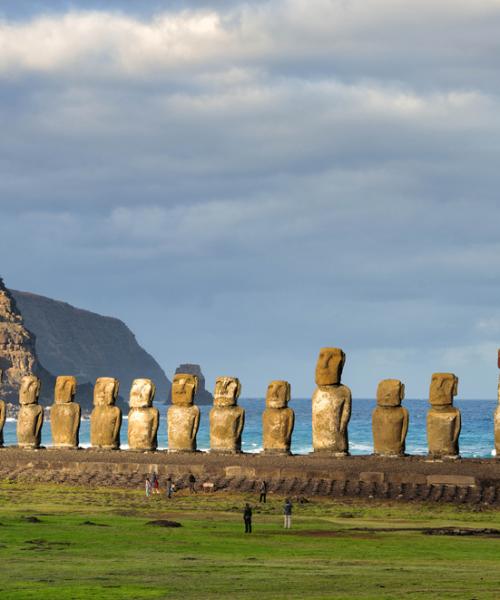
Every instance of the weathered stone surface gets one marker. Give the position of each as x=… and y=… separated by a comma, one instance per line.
x=331, y=404
x=390, y=419
x=106, y=418
x=143, y=418
x=443, y=419
x=226, y=418
x=496, y=423
x=183, y=417
x=30, y=417
x=372, y=476
x=73, y=340
x=277, y=419
x=202, y=395
x=65, y=414
x=458, y=480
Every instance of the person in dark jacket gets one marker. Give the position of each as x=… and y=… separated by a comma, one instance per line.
x=287, y=512
x=191, y=482
x=263, y=491
x=247, y=517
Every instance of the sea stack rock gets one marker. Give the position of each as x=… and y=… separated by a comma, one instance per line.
x=226, y=418
x=183, y=417
x=106, y=418
x=202, y=395
x=443, y=419
x=390, y=419
x=30, y=416
x=143, y=418
x=331, y=404
x=277, y=419
x=65, y=414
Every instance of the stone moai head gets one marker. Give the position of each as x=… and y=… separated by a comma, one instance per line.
x=443, y=387
x=278, y=394
x=29, y=390
x=65, y=389
x=227, y=391
x=329, y=366
x=390, y=392
x=105, y=391
x=142, y=393
x=184, y=388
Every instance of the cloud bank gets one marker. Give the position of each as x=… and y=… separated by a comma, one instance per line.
x=245, y=183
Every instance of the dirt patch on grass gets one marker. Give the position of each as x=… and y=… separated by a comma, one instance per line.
x=164, y=523
x=92, y=524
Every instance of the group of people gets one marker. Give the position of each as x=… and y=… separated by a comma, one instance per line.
x=287, y=516
x=152, y=485
x=247, y=511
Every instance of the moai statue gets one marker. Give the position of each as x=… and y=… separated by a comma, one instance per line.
x=443, y=419
x=105, y=418
x=30, y=417
x=496, y=419
x=390, y=419
x=65, y=414
x=183, y=417
x=331, y=404
x=277, y=419
x=497, y=426
x=143, y=418
x=2, y=413
x=226, y=418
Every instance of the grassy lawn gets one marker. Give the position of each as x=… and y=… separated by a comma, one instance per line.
x=95, y=543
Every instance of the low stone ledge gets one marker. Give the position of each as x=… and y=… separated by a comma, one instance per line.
x=458, y=480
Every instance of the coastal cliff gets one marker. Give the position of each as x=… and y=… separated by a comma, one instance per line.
x=71, y=341
x=17, y=349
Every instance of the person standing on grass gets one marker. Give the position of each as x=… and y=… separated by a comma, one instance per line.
x=247, y=517
x=287, y=512
x=191, y=482
x=155, y=484
x=148, y=487
x=263, y=491
x=170, y=487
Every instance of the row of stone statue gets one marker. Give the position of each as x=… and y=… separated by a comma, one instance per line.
x=331, y=411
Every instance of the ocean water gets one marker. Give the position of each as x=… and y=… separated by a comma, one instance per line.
x=476, y=438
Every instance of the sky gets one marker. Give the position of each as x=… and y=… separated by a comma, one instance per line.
x=243, y=183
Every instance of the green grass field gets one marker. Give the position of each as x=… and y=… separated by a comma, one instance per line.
x=333, y=551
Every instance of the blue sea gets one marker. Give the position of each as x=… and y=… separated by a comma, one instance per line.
x=476, y=438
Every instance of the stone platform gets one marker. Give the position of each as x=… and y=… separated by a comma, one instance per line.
x=409, y=478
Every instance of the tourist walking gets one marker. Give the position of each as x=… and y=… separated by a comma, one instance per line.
x=287, y=512
x=170, y=487
x=191, y=482
x=148, y=487
x=247, y=517
x=263, y=491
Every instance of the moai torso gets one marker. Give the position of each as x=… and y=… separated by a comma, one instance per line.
x=331, y=404
x=443, y=419
x=143, y=419
x=2, y=420
x=30, y=416
x=389, y=419
x=183, y=418
x=106, y=418
x=2, y=414
x=65, y=414
x=277, y=419
x=226, y=418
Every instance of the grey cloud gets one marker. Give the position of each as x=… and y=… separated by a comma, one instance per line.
x=323, y=182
